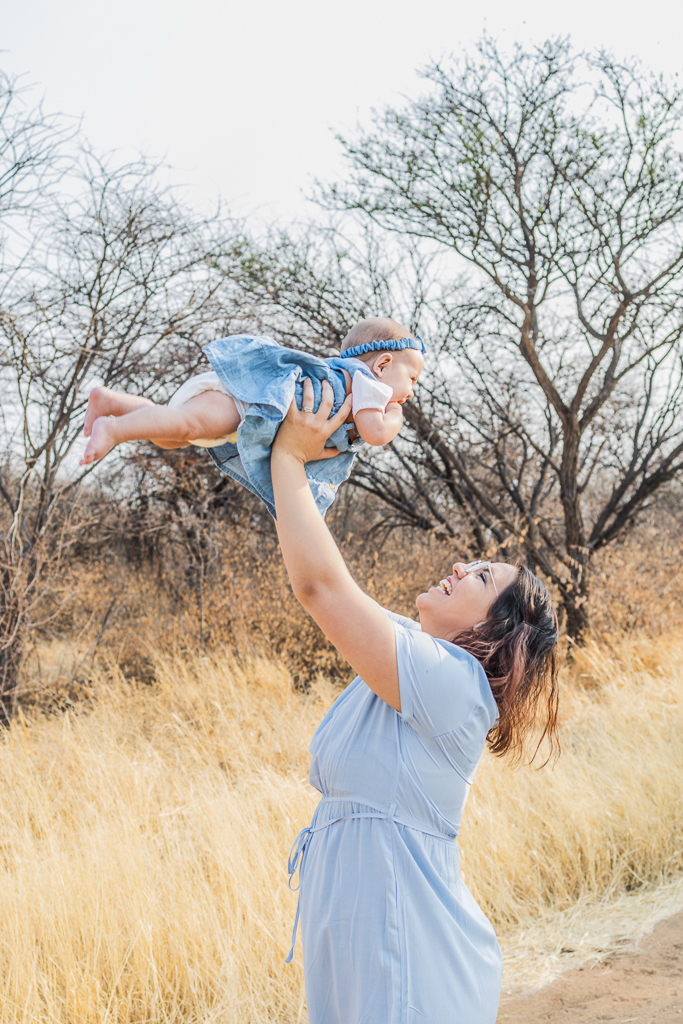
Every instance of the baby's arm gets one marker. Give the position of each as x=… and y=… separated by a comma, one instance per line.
x=377, y=419
x=377, y=427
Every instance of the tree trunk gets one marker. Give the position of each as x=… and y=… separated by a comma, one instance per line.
x=12, y=646
x=575, y=605
x=575, y=594
x=19, y=572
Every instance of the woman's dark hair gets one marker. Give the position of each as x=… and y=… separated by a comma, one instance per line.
x=517, y=648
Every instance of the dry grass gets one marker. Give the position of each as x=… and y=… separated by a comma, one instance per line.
x=143, y=845
x=572, y=861
x=600, y=822
x=125, y=608
x=144, y=836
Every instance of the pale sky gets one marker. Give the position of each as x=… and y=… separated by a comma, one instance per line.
x=242, y=97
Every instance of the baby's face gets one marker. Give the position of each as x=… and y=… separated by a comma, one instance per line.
x=401, y=373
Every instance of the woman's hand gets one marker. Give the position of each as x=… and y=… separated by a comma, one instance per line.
x=303, y=434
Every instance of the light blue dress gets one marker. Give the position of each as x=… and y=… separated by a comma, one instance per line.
x=266, y=377
x=390, y=933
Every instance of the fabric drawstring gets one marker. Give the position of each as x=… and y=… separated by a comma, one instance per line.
x=294, y=861
x=297, y=854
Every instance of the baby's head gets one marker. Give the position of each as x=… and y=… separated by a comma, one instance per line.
x=397, y=365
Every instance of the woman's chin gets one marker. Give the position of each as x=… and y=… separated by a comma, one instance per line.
x=424, y=600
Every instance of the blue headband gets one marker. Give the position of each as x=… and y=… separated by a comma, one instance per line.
x=394, y=345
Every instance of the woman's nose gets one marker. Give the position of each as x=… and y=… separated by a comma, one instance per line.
x=460, y=569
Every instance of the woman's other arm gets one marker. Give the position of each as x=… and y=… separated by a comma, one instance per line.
x=351, y=620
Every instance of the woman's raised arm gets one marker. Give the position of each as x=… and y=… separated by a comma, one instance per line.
x=351, y=620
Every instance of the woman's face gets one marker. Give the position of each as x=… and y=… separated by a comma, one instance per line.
x=463, y=600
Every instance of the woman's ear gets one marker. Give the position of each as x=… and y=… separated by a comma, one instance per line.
x=383, y=363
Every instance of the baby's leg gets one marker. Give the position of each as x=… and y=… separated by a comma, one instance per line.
x=105, y=402
x=211, y=414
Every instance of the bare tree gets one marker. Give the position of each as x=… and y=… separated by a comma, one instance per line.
x=311, y=286
x=122, y=287
x=31, y=147
x=552, y=413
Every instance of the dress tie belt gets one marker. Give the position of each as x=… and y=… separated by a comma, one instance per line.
x=297, y=854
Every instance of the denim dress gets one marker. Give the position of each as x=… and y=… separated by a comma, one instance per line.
x=391, y=934
x=267, y=376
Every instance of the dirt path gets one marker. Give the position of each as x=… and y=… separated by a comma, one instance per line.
x=642, y=984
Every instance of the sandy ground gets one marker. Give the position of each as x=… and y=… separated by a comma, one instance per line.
x=642, y=982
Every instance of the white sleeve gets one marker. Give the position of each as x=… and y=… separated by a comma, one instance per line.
x=369, y=393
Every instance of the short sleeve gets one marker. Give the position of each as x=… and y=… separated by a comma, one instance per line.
x=442, y=687
x=402, y=620
x=369, y=393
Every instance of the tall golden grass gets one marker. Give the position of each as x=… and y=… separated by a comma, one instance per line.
x=144, y=835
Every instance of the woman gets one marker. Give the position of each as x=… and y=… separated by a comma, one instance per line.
x=390, y=933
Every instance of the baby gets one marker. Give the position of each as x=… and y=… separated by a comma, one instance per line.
x=235, y=409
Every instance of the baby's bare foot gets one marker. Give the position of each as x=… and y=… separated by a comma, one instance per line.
x=105, y=402
x=99, y=404
x=102, y=440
